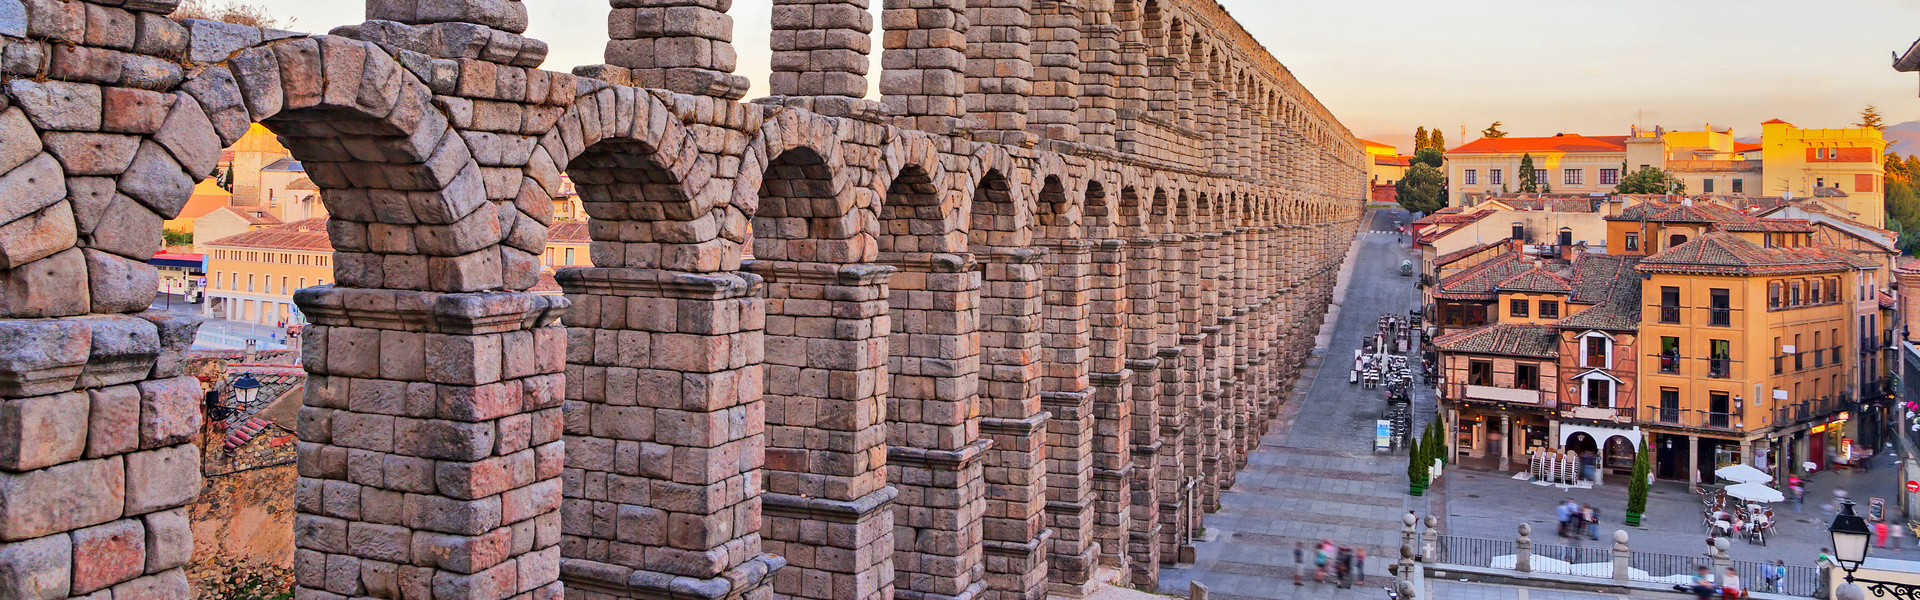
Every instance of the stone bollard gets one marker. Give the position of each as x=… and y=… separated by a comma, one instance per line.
x=1196, y=591
x=1523, y=550
x=1849, y=591
x=1622, y=557
x=1408, y=531
x=1429, y=539
x=1720, y=559
x=1407, y=591
x=1404, y=570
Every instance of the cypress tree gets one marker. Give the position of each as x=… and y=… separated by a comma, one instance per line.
x=1528, y=182
x=1419, y=139
x=1437, y=140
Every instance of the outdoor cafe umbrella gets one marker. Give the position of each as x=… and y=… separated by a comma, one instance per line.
x=1742, y=474
x=1755, y=492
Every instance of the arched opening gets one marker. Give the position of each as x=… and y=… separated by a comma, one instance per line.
x=1582, y=443
x=825, y=492
x=1620, y=453
x=933, y=413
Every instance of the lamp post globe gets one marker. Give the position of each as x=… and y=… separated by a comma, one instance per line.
x=1850, y=535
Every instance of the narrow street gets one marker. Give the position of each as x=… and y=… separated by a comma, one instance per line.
x=1323, y=480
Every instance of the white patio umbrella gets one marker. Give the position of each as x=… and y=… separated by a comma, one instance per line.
x=1755, y=492
x=1740, y=473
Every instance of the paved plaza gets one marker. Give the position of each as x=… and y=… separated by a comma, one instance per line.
x=1321, y=479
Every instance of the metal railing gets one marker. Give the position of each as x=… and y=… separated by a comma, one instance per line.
x=1669, y=314
x=1670, y=363
x=1471, y=552
x=1695, y=418
x=1719, y=317
x=1797, y=580
x=1719, y=368
x=1599, y=562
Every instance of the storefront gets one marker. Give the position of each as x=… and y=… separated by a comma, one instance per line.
x=1481, y=432
x=1831, y=444
x=1616, y=445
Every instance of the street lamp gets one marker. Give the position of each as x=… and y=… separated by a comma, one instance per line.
x=1850, y=534
x=246, y=388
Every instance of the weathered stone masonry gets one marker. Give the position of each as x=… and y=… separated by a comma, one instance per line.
x=1012, y=326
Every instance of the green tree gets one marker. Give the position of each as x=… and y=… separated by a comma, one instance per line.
x=1435, y=139
x=1913, y=165
x=176, y=238
x=1903, y=205
x=1493, y=131
x=1896, y=168
x=1870, y=119
x=1546, y=188
x=1649, y=180
x=1436, y=443
x=1529, y=180
x=1422, y=190
x=1637, y=488
x=1430, y=156
x=1420, y=139
x=1416, y=466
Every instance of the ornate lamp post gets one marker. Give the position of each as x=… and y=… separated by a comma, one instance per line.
x=1850, y=542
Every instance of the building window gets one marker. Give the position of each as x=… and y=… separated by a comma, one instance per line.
x=1493, y=177
x=1719, y=358
x=1835, y=336
x=1706, y=185
x=1633, y=242
x=1799, y=354
x=1739, y=187
x=1669, y=405
x=1833, y=290
x=1819, y=182
x=1526, y=377
x=1719, y=308
x=1472, y=176
x=1793, y=294
x=569, y=257
x=1773, y=294
x=1517, y=308
x=216, y=280
x=1676, y=240
x=249, y=282
x=1597, y=352
x=1609, y=177
x=1777, y=356
x=1573, y=176
x=1540, y=175
x=1480, y=372
x=1813, y=295
x=283, y=284
x=1549, y=309
x=1669, y=355
x=1599, y=393
x=1669, y=304
x=1719, y=409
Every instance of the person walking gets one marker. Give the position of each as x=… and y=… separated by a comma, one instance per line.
x=1880, y=534
x=1343, y=567
x=1771, y=574
x=1360, y=565
x=1320, y=557
x=1299, y=561
x=1730, y=586
x=1566, y=515
x=1589, y=520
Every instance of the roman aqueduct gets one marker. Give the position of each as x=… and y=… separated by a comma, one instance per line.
x=1013, y=325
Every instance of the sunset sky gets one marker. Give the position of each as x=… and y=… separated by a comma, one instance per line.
x=1594, y=67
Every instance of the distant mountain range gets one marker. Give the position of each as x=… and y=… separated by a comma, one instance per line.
x=1903, y=138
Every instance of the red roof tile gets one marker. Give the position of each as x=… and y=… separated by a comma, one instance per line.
x=1719, y=253
x=1570, y=142
x=309, y=235
x=568, y=232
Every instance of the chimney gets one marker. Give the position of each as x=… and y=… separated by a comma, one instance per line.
x=246, y=357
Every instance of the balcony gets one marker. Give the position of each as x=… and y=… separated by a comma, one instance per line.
x=1500, y=394
x=1669, y=314
x=1595, y=413
x=1698, y=419
x=1670, y=364
x=1718, y=368
x=1719, y=317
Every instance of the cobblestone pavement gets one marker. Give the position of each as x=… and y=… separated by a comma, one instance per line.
x=1490, y=504
x=1322, y=480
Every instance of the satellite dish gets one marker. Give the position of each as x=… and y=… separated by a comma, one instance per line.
x=1787, y=195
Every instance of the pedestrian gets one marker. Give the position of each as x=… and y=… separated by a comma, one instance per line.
x=1825, y=558
x=1701, y=585
x=1299, y=561
x=1730, y=586
x=1565, y=515
x=1771, y=574
x=1320, y=559
x=1360, y=565
x=1343, y=566
x=1799, y=489
x=1589, y=520
x=1880, y=534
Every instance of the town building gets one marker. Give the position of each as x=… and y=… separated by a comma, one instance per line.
x=228, y=221
x=251, y=276
x=1565, y=163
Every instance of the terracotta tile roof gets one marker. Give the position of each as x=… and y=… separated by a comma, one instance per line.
x=1685, y=212
x=568, y=232
x=1609, y=283
x=1568, y=142
x=1888, y=301
x=303, y=184
x=1719, y=253
x=309, y=235
x=1450, y=257
x=1483, y=281
x=1393, y=161
x=1774, y=122
x=1829, y=192
x=1507, y=339
x=253, y=215
x=1536, y=280
x=546, y=284
x=1448, y=210
x=1768, y=225
x=1745, y=147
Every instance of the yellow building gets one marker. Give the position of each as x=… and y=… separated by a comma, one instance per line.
x=567, y=246
x=1750, y=334
x=229, y=221
x=251, y=277
x=1565, y=163
x=207, y=197
x=1800, y=161
x=252, y=153
x=1385, y=165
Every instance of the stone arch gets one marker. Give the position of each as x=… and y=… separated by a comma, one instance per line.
x=643, y=183
x=1099, y=213
x=1056, y=215
x=1159, y=214
x=801, y=188
x=409, y=210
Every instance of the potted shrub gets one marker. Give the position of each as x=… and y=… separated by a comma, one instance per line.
x=1638, y=487
x=1417, y=461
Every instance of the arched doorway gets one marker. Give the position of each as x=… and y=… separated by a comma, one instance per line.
x=1619, y=454
x=1581, y=442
